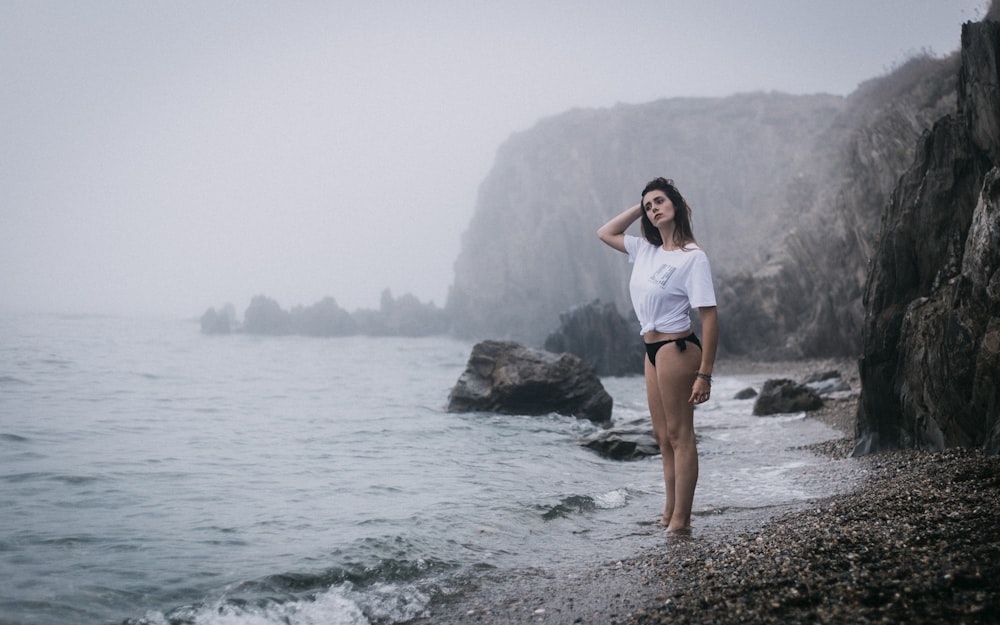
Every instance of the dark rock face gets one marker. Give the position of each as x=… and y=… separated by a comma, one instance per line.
x=781, y=396
x=930, y=367
x=747, y=393
x=509, y=378
x=601, y=336
x=628, y=441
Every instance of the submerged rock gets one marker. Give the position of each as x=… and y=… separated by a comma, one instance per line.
x=628, y=441
x=510, y=378
x=826, y=383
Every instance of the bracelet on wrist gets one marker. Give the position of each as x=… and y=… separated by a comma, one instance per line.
x=705, y=376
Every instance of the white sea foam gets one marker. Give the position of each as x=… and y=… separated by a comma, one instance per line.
x=617, y=498
x=340, y=605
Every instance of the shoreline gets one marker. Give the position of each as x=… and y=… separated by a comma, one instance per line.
x=918, y=542
x=915, y=540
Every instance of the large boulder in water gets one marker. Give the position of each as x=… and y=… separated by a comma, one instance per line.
x=781, y=396
x=509, y=378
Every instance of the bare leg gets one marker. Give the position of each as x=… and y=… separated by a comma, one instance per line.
x=668, y=387
x=660, y=434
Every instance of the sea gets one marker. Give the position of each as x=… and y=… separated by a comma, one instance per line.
x=150, y=474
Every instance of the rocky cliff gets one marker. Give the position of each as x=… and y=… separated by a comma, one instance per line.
x=530, y=252
x=930, y=367
x=805, y=299
x=786, y=191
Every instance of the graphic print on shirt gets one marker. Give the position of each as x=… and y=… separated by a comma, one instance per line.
x=662, y=275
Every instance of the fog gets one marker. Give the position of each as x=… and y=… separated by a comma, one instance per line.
x=164, y=157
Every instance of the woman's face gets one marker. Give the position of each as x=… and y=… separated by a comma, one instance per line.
x=658, y=207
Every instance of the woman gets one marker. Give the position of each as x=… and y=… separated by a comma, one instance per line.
x=670, y=275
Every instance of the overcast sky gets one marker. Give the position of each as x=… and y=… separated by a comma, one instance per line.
x=164, y=157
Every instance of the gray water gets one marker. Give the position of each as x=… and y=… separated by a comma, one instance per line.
x=151, y=474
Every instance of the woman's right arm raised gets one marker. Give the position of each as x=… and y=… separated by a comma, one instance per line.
x=613, y=232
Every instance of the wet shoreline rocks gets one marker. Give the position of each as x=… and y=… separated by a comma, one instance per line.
x=916, y=542
x=634, y=439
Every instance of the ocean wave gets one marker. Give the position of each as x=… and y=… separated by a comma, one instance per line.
x=581, y=504
x=385, y=590
x=574, y=504
x=610, y=500
x=339, y=605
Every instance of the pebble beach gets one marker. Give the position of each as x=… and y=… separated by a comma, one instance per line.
x=916, y=540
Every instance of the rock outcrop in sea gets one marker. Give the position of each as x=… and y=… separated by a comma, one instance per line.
x=602, y=336
x=396, y=316
x=930, y=367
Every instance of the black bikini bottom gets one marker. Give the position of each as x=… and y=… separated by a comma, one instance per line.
x=652, y=348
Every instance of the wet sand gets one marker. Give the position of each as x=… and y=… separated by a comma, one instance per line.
x=916, y=541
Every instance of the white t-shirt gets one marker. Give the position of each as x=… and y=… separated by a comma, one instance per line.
x=665, y=286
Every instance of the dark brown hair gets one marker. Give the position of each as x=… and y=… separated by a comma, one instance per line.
x=683, y=234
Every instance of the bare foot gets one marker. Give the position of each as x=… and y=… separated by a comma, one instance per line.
x=682, y=534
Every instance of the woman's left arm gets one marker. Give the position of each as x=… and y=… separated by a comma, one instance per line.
x=709, y=345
